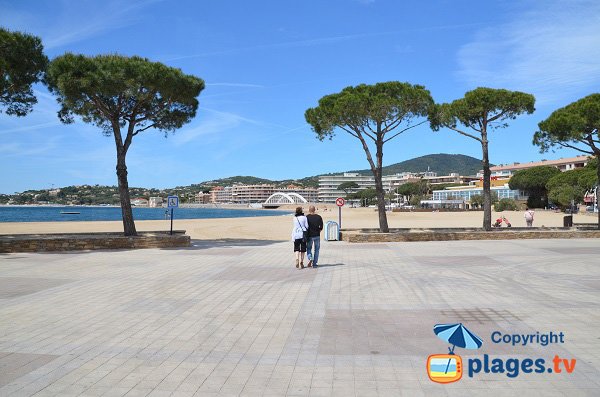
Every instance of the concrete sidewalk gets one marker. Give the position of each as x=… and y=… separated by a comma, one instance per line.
x=235, y=317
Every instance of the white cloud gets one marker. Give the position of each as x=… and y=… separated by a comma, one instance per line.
x=551, y=49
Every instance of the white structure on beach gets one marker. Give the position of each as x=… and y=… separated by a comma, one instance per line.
x=285, y=198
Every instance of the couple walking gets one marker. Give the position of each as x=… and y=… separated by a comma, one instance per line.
x=306, y=234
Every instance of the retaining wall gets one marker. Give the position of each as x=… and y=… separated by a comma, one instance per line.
x=91, y=241
x=373, y=236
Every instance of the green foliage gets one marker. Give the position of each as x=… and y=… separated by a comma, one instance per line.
x=482, y=106
x=246, y=180
x=442, y=164
x=410, y=189
x=533, y=181
x=365, y=110
x=506, y=204
x=575, y=126
x=569, y=185
x=22, y=64
x=347, y=187
x=416, y=200
x=477, y=201
x=365, y=196
x=112, y=91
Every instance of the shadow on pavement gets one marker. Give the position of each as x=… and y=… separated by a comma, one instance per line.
x=331, y=264
x=197, y=244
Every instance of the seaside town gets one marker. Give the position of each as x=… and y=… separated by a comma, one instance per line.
x=350, y=198
x=453, y=191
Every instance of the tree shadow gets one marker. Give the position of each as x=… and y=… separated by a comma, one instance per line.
x=197, y=244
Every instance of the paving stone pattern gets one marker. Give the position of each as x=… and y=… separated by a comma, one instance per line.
x=235, y=317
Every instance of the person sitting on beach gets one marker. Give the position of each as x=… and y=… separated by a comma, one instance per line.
x=315, y=225
x=300, y=225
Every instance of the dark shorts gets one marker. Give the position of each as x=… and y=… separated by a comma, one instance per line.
x=299, y=245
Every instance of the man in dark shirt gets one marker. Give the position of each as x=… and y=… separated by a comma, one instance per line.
x=315, y=225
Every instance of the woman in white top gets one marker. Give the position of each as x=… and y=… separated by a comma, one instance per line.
x=300, y=225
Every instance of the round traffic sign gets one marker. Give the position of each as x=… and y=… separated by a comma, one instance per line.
x=340, y=202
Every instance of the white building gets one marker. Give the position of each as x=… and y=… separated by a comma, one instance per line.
x=328, y=185
x=466, y=193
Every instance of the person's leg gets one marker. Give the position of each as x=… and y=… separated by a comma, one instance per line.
x=309, y=255
x=297, y=253
x=317, y=243
x=302, y=252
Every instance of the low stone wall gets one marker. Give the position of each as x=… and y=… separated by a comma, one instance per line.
x=91, y=241
x=402, y=235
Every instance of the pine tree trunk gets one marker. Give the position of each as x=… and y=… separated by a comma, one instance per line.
x=128, y=223
x=383, y=224
x=598, y=189
x=487, y=196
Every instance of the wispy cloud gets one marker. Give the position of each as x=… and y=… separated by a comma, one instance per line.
x=318, y=41
x=218, y=122
x=34, y=127
x=83, y=20
x=22, y=150
x=552, y=50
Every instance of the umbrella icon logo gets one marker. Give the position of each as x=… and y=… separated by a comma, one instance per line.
x=447, y=368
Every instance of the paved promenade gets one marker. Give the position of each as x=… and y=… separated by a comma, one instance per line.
x=236, y=318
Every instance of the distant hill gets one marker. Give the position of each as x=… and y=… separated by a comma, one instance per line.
x=441, y=163
x=247, y=180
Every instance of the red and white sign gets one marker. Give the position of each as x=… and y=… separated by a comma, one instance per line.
x=340, y=202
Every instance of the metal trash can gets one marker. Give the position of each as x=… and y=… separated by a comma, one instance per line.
x=332, y=231
x=568, y=221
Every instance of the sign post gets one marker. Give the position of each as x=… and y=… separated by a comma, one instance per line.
x=172, y=202
x=340, y=203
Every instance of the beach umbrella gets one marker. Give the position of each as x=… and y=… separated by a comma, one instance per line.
x=457, y=335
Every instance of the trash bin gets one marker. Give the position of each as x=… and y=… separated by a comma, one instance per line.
x=568, y=221
x=332, y=231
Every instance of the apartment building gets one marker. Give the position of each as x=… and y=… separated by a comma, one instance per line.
x=220, y=194
x=328, y=185
x=563, y=164
x=245, y=194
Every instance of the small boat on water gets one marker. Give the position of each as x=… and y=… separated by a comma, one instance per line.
x=70, y=212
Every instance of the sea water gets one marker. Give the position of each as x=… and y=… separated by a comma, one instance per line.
x=91, y=213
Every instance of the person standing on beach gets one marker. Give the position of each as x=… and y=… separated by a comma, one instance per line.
x=300, y=226
x=529, y=217
x=315, y=225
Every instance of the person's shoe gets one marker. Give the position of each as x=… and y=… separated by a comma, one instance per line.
x=315, y=265
x=310, y=263
x=297, y=263
x=301, y=265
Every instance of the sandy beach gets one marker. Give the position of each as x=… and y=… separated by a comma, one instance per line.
x=279, y=227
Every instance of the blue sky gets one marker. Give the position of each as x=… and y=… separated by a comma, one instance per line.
x=266, y=62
